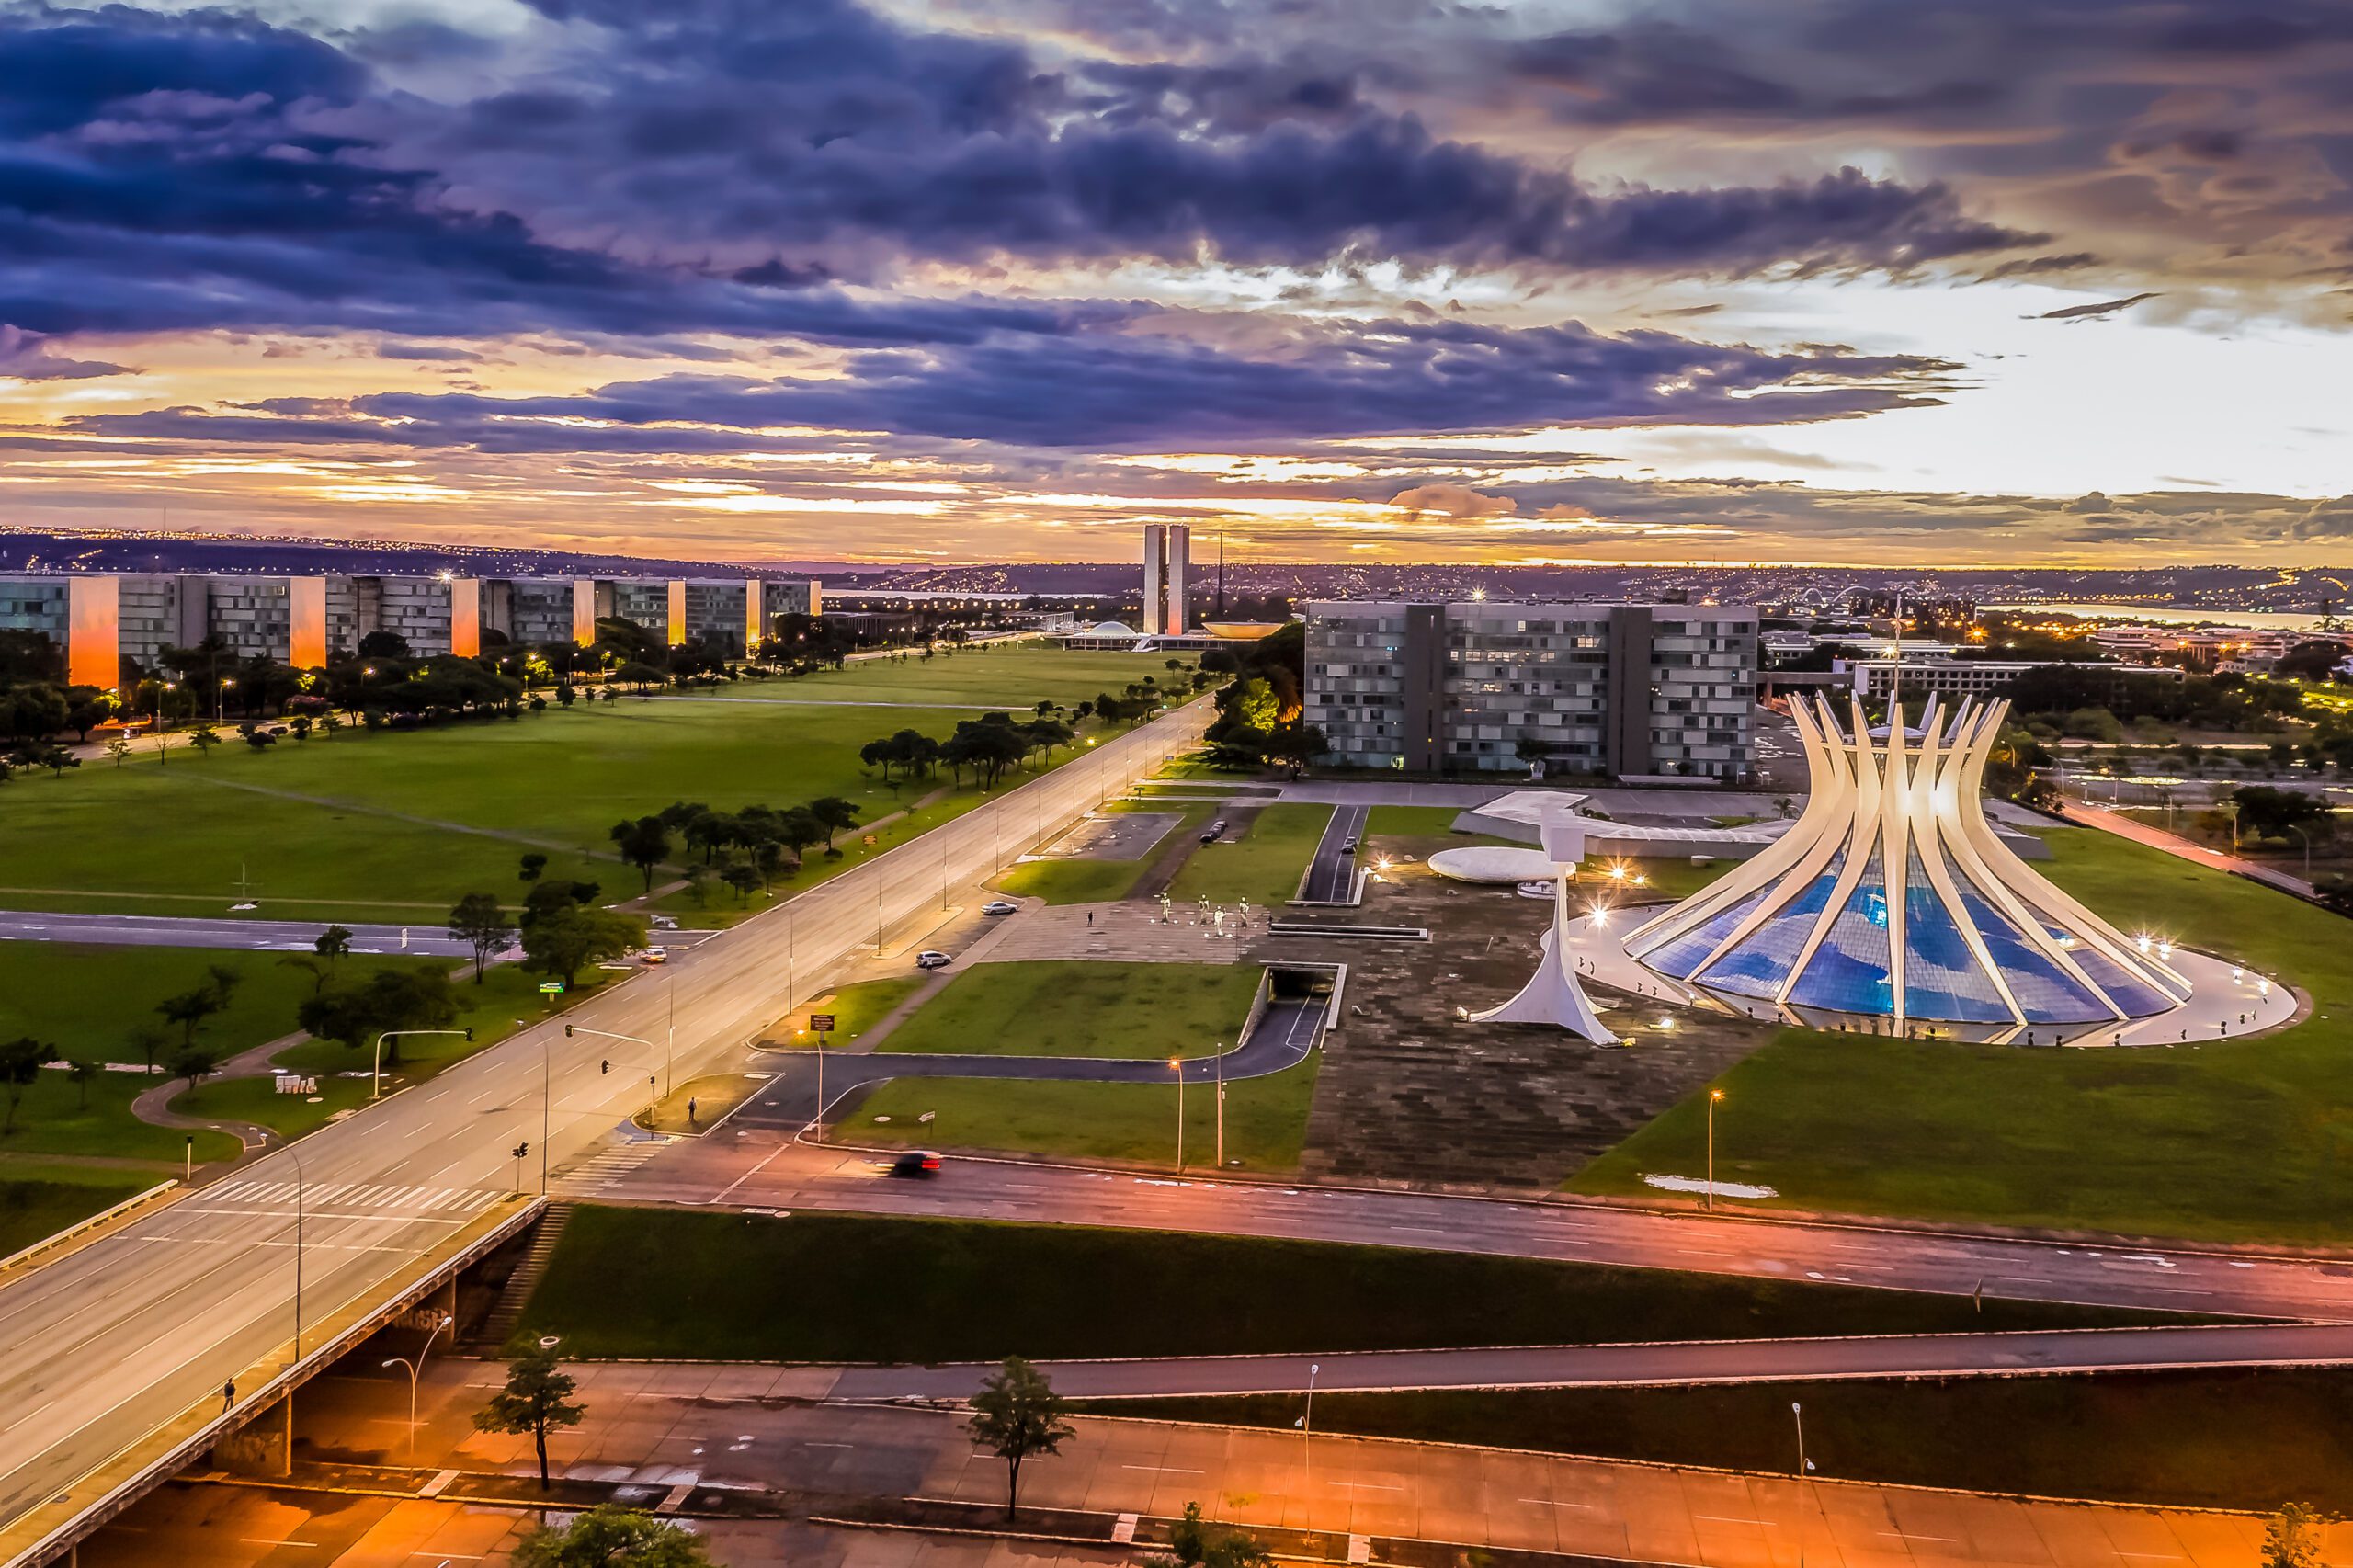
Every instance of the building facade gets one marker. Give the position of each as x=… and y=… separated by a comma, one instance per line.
x=1635, y=690
x=100, y=619
x=1167, y=571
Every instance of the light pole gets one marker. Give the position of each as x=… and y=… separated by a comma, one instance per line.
x=415, y=1368
x=2307, y=838
x=1176, y=1065
x=1307, y=1450
x=298, y=1257
x=1797, y=1411
x=377, y=1087
x=1218, y=1062
x=1714, y=1095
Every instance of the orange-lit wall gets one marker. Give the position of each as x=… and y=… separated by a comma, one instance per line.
x=306, y=623
x=584, y=611
x=465, y=617
x=755, y=630
x=677, y=613
x=94, y=632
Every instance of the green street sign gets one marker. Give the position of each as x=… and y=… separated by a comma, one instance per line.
x=551, y=987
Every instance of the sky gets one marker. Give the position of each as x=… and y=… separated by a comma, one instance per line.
x=1873, y=282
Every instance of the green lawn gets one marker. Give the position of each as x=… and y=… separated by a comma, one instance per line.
x=258, y=1100
x=1013, y=676
x=58, y=1117
x=378, y=824
x=507, y=994
x=855, y=1008
x=2245, y=1140
x=33, y=1210
x=1415, y=822
x=1077, y=1007
x=1266, y=1120
x=1265, y=867
x=1099, y=881
x=827, y=1287
x=2218, y=1439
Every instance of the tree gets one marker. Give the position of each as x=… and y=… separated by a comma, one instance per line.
x=480, y=923
x=331, y=944
x=644, y=844
x=204, y=737
x=2288, y=1540
x=1194, y=1543
x=536, y=1400
x=610, y=1536
x=1294, y=745
x=20, y=1062
x=147, y=1040
x=79, y=1071
x=564, y=941
x=1015, y=1415
x=388, y=1000
x=531, y=866
x=834, y=815
x=190, y=1008
x=195, y=1063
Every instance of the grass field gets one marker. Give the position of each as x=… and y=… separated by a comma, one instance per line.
x=1013, y=675
x=2220, y=1440
x=823, y=1287
x=855, y=1009
x=1263, y=867
x=1098, y=881
x=1078, y=1007
x=1266, y=1120
x=2245, y=1140
x=33, y=1210
x=395, y=826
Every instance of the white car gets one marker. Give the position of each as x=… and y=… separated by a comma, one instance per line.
x=655, y=955
x=1000, y=907
x=931, y=958
x=663, y=922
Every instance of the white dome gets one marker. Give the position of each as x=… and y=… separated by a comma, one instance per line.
x=1497, y=863
x=1111, y=629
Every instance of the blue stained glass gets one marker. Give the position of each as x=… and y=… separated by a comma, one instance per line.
x=1681, y=955
x=1942, y=978
x=1760, y=964
x=2046, y=993
x=2135, y=996
x=1848, y=972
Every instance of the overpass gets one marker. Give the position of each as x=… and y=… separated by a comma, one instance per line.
x=113, y=1356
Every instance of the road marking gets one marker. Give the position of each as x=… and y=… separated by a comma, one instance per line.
x=1165, y=1469
x=266, y=1540
x=1722, y=1519
x=1548, y=1502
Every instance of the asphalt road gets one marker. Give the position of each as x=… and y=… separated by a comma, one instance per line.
x=1331, y=875
x=110, y=1343
x=260, y=936
x=1597, y=1365
x=750, y=1165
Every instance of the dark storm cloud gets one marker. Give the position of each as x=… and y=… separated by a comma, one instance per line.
x=1105, y=391
x=27, y=357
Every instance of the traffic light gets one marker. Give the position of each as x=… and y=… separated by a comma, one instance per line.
x=567, y=1032
x=603, y=1067
x=521, y=1150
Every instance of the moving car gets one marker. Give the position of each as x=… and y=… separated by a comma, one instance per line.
x=1350, y=847
x=931, y=958
x=999, y=906
x=917, y=1163
x=655, y=955
x=1208, y=834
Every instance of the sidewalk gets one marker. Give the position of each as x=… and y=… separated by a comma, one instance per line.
x=2182, y=848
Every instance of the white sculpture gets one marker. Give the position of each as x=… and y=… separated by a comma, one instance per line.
x=1552, y=995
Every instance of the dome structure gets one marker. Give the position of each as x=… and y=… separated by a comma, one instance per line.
x=1890, y=904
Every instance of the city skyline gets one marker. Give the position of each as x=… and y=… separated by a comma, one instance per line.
x=1841, y=283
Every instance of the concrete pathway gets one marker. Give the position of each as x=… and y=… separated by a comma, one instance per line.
x=332, y=802
x=2181, y=848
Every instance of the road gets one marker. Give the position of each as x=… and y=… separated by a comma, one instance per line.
x=263, y=936
x=752, y=1163
x=1331, y=875
x=114, y=1342
x=1641, y=1366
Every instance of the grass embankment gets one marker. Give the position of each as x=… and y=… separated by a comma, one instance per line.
x=829, y=1286
x=2222, y=1440
x=34, y=1208
x=1264, y=865
x=1078, y=1007
x=1012, y=676
x=2245, y=1140
x=1080, y=880
x=1266, y=1120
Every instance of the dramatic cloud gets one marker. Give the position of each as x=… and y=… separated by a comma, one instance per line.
x=27, y=357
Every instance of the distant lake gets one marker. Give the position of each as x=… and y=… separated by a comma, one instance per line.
x=2168, y=615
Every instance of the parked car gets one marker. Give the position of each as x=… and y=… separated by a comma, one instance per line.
x=1208, y=834
x=663, y=922
x=931, y=958
x=916, y=1164
x=1000, y=907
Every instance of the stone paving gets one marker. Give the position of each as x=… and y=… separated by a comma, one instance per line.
x=1128, y=932
x=1410, y=1093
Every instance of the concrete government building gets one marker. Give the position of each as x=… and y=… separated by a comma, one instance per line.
x=1640, y=691
x=100, y=619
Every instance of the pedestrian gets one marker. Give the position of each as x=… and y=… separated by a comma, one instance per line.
x=690, y=1110
x=1090, y=920
x=227, y=1396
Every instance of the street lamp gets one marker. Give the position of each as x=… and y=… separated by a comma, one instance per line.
x=1176, y=1065
x=1713, y=1097
x=377, y=1087
x=415, y=1367
x=1797, y=1411
x=298, y=1257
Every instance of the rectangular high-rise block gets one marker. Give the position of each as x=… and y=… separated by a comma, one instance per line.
x=756, y=626
x=676, y=619
x=1155, y=549
x=465, y=615
x=1176, y=613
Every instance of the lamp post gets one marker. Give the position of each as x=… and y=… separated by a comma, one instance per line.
x=376, y=1088
x=1176, y=1065
x=2307, y=838
x=298, y=1256
x=1797, y=1411
x=1307, y=1450
x=1714, y=1095
x=416, y=1368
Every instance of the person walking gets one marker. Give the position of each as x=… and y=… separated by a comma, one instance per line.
x=227, y=1396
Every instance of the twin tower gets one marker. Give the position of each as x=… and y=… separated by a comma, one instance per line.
x=1167, y=566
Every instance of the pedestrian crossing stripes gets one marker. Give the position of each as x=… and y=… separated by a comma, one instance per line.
x=450, y=1200
x=608, y=1167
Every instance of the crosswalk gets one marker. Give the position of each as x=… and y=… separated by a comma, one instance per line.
x=448, y=1200
x=607, y=1168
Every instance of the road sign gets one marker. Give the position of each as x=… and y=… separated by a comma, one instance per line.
x=822, y=1022
x=551, y=987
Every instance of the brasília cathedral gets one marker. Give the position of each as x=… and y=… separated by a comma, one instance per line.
x=1890, y=905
